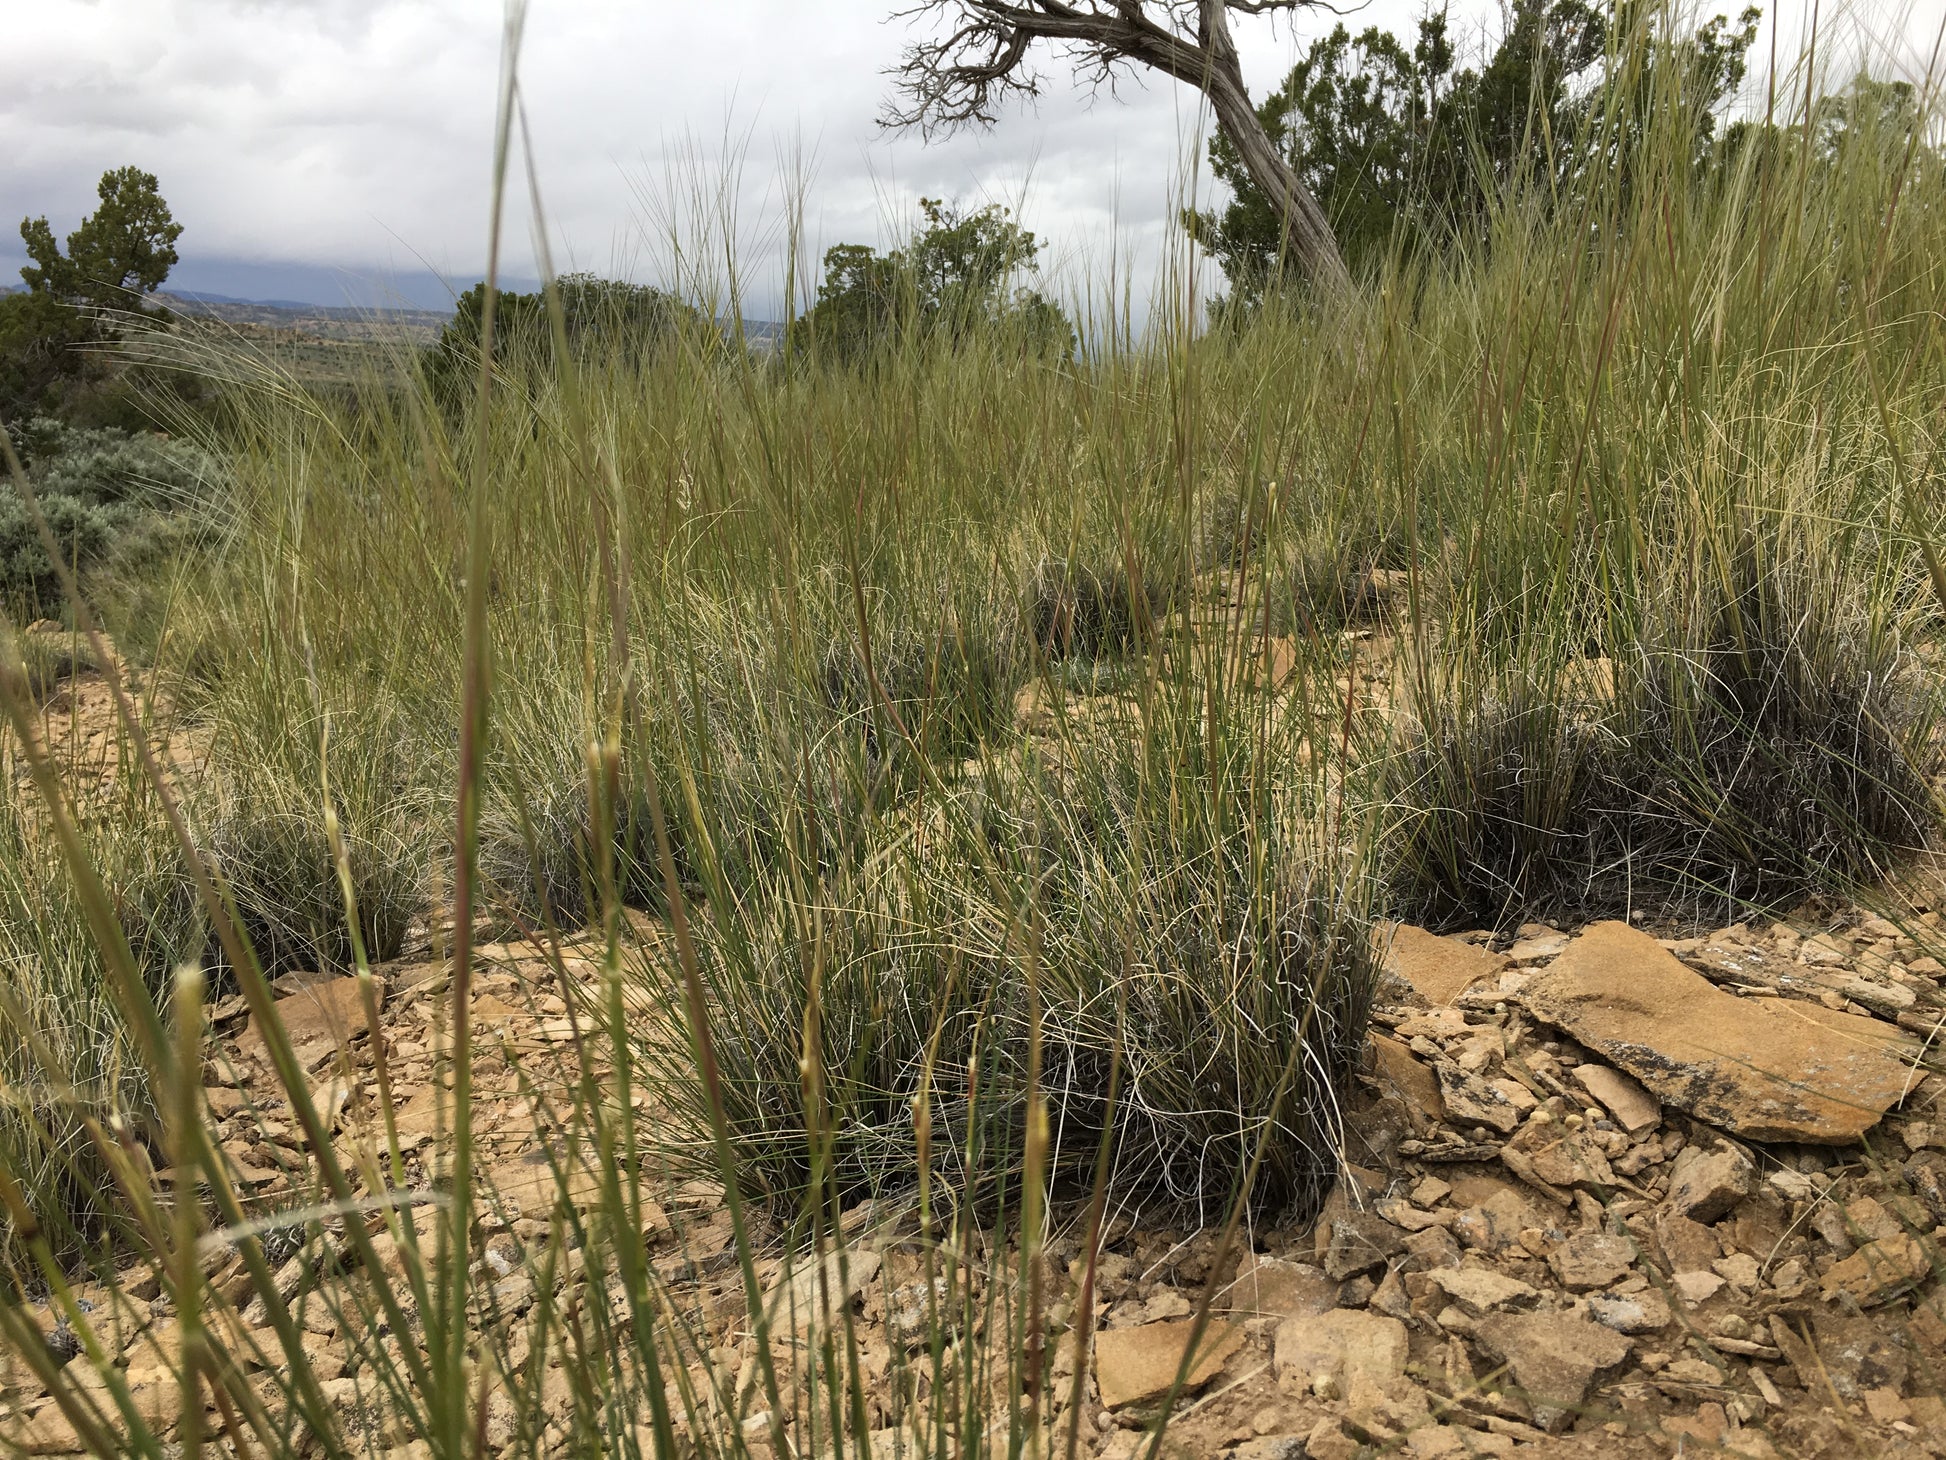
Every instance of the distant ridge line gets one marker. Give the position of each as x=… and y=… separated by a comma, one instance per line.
x=762, y=333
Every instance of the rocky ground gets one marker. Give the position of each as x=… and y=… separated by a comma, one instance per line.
x=1609, y=1194
x=1604, y=1193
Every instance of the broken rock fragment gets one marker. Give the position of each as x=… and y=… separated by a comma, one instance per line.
x=1879, y=1271
x=1759, y=1068
x=1591, y=1260
x=1269, y=1287
x=1339, y=1344
x=1705, y=1185
x=1641, y=1312
x=1553, y=1358
x=1471, y=1101
x=1635, y=1110
x=1479, y=1290
x=1441, y=969
x=1134, y=1364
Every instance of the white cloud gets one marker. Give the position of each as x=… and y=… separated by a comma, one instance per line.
x=356, y=134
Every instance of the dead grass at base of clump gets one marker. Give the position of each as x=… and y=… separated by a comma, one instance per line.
x=1079, y=610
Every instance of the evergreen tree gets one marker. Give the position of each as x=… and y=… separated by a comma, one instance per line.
x=959, y=274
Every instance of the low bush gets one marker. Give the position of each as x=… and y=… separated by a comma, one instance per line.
x=104, y=493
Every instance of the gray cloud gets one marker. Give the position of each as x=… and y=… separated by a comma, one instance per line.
x=326, y=140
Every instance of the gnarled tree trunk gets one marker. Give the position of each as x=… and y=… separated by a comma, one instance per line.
x=1308, y=238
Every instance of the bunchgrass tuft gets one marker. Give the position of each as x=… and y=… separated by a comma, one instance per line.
x=1154, y=934
x=1760, y=730
x=1091, y=610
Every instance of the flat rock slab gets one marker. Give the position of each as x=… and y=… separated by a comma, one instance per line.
x=1134, y=1364
x=1441, y=969
x=1479, y=1291
x=1400, y=1073
x=1269, y=1287
x=331, y=1009
x=1764, y=1069
x=1635, y=1109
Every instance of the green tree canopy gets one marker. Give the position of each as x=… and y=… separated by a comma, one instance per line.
x=603, y=319
x=958, y=274
x=48, y=334
x=1401, y=143
x=126, y=246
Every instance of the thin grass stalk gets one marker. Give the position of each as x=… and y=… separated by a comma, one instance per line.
x=185, y=1118
x=451, y=1438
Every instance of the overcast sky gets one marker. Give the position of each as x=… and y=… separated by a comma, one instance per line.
x=328, y=150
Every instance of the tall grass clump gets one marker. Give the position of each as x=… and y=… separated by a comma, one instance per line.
x=1761, y=727
x=949, y=789
x=1114, y=923
x=1671, y=665
x=71, y=1071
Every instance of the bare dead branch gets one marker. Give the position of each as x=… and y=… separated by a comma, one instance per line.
x=979, y=58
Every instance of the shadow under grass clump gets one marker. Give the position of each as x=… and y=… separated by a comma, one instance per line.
x=1232, y=525
x=1325, y=593
x=276, y=864
x=1078, y=611
x=1740, y=758
x=951, y=689
x=1221, y=989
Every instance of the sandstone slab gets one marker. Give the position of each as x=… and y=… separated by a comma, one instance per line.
x=1591, y=1260
x=1635, y=1110
x=1879, y=1271
x=1479, y=1290
x=1399, y=1072
x=331, y=1010
x=1765, y=1069
x=1441, y=969
x=1135, y=1364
